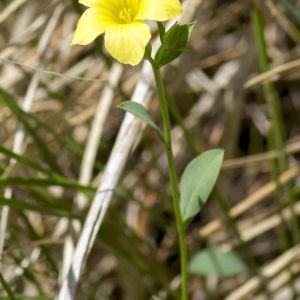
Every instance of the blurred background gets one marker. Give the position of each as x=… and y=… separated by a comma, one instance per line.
x=236, y=89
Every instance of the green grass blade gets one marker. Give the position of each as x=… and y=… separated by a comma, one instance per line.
x=25, y=297
x=43, y=209
x=6, y=287
x=10, y=102
x=12, y=181
x=291, y=9
x=23, y=160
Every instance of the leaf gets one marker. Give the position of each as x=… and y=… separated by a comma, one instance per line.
x=170, y=38
x=148, y=52
x=24, y=160
x=11, y=103
x=155, y=298
x=43, y=196
x=46, y=251
x=164, y=56
x=197, y=182
x=26, y=297
x=43, y=209
x=217, y=261
x=11, y=181
x=184, y=35
x=6, y=287
x=139, y=111
x=161, y=30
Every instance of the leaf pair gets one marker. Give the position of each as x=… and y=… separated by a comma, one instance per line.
x=199, y=176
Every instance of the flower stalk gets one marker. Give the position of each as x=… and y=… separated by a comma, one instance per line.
x=173, y=177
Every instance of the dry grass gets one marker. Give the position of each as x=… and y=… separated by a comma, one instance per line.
x=62, y=136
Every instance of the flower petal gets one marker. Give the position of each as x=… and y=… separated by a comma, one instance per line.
x=91, y=24
x=89, y=3
x=159, y=10
x=127, y=42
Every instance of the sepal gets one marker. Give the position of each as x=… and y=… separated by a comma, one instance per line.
x=174, y=43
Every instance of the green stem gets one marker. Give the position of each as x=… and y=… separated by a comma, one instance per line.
x=6, y=287
x=291, y=9
x=222, y=202
x=173, y=178
x=276, y=138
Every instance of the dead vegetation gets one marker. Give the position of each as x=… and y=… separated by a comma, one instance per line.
x=62, y=136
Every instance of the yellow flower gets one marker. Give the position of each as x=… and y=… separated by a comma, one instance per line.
x=122, y=21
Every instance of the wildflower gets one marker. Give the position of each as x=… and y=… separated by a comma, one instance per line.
x=123, y=23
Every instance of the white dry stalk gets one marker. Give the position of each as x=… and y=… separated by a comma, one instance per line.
x=276, y=266
x=95, y=134
x=65, y=48
x=261, y=227
x=111, y=175
x=274, y=74
x=27, y=33
x=251, y=200
x=276, y=285
x=262, y=157
x=27, y=103
x=25, y=18
x=10, y=9
x=90, y=153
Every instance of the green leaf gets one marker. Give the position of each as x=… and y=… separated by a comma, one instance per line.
x=171, y=37
x=161, y=30
x=155, y=298
x=197, y=182
x=217, y=261
x=11, y=181
x=6, y=287
x=25, y=297
x=43, y=209
x=139, y=111
x=11, y=103
x=43, y=196
x=164, y=57
x=184, y=34
x=33, y=235
x=25, y=161
x=148, y=51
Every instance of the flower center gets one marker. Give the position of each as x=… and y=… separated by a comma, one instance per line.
x=125, y=15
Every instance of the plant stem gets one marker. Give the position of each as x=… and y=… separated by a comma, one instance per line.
x=6, y=287
x=276, y=138
x=173, y=178
x=291, y=9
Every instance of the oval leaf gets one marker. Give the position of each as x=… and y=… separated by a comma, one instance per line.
x=217, y=261
x=197, y=182
x=140, y=111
